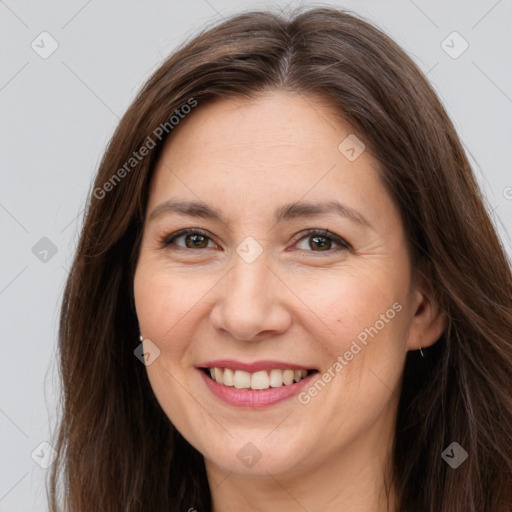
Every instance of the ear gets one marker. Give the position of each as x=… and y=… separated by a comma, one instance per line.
x=428, y=321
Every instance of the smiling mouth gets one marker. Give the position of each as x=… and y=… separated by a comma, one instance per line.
x=256, y=381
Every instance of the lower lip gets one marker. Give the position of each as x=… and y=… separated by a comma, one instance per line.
x=250, y=398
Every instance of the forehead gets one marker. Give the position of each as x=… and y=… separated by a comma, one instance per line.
x=274, y=120
x=277, y=148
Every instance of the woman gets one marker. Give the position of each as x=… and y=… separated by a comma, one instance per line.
x=287, y=294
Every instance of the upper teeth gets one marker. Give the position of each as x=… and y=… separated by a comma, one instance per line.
x=257, y=380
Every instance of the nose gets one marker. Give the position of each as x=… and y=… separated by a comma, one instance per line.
x=249, y=305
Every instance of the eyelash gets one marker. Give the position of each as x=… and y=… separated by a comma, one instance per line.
x=344, y=245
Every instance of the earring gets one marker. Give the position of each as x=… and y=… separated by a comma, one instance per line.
x=141, y=338
x=421, y=352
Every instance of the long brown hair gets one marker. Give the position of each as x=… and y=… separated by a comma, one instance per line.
x=117, y=449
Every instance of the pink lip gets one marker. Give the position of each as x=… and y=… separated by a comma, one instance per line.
x=252, y=367
x=252, y=399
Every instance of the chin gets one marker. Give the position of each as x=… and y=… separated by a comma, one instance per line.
x=257, y=456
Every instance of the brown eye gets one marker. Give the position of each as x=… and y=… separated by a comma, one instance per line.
x=323, y=241
x=320, y=242
x=193, y=239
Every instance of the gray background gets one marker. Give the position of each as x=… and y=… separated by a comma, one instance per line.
x=58, y=113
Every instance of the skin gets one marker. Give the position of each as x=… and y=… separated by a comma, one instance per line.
x=295, y=302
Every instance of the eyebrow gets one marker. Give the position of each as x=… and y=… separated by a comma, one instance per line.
x=286, y=212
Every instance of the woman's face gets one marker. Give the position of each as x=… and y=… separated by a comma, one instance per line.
x=256, y=292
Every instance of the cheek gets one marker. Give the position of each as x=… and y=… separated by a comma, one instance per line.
x=164, y=306
x=344, y=305
x=158, y=311
x=150, y=295
x=169, y=305
x=361, y=329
